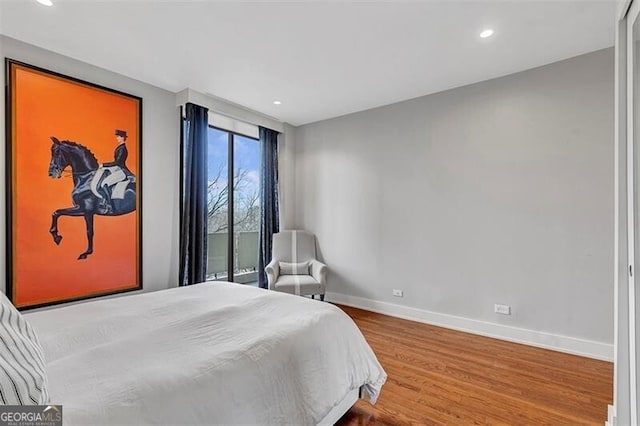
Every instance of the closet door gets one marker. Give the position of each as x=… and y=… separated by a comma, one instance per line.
x=633, y=170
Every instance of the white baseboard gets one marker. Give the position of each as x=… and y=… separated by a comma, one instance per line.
x=556, y=342
x=611, y=416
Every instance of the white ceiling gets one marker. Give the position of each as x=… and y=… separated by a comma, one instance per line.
x=320, y=58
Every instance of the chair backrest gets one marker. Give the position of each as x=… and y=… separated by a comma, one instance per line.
x=294, y=246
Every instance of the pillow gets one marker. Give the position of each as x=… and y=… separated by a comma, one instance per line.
x=23, y=377
x=294, y=268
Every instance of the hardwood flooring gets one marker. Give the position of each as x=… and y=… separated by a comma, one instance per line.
x=441, y=376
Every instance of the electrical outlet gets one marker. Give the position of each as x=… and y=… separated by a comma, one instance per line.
x=502, y=309
x=397, y=293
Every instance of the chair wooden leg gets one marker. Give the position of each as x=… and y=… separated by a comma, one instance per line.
x=322, y=297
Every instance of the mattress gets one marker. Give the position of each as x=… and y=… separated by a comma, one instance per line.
x=211, y=353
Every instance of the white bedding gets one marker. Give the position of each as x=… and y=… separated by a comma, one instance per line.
x=216, y=353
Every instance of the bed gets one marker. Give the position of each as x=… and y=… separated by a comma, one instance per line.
x=211, y=353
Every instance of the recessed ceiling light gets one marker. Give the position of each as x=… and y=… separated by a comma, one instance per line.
x=45, y=2
x=277, y=103
x=486, y=33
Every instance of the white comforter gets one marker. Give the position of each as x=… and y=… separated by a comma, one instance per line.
x=216, y=353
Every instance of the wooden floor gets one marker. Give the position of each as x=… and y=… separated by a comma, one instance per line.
x=441, y=376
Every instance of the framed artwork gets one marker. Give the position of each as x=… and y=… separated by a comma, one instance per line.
x=73, y=164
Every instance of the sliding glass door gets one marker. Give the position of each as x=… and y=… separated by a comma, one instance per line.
x=246, y=209
x=218, y=205
x=233, y=207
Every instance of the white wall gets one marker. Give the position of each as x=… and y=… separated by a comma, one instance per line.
x=160, y=165
x=497, y=192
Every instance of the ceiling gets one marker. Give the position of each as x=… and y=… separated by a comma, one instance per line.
x=321, y=59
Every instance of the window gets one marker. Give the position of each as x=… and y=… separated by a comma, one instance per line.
x=233, y=249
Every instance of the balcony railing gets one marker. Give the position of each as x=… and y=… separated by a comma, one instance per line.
x=245, y=256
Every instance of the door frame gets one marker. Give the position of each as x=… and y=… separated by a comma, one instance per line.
x=633, y=224
x=621, y=261
x=626, y=250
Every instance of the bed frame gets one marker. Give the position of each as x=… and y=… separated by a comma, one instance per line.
x=340, y=409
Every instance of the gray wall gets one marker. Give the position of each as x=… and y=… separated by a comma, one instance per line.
x=161, y=160
x=287, y=177
x=497, y=192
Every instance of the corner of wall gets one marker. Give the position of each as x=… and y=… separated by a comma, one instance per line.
x=287, y=178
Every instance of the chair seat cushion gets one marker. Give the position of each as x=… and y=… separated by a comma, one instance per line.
x=298, y=284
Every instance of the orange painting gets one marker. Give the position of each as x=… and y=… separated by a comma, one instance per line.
x=73, y=188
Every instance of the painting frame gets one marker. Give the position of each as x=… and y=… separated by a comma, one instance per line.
x=12, y=187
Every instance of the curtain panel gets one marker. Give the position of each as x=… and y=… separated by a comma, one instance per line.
x=193, y=232
x=269, y=213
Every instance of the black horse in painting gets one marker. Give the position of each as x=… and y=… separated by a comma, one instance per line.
x=83, y=166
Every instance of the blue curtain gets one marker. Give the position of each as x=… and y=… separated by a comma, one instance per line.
x=193, y=218
x=269, y=220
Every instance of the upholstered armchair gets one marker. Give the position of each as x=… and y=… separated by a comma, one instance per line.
x=294, y=267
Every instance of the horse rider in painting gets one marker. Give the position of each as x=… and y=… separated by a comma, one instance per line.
x=117, y=171
x=116, y=183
